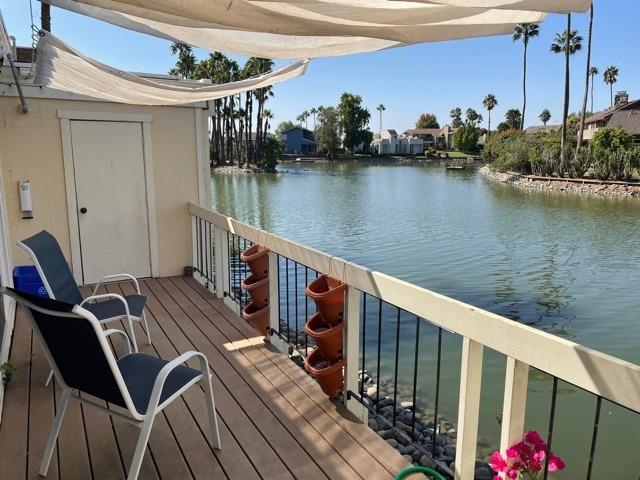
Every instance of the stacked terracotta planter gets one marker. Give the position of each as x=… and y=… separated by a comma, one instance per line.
x=326, y=362
x=257, y=285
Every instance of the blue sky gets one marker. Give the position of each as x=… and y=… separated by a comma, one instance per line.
x=410, y=80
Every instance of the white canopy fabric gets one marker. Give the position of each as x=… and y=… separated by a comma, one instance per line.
x=317, y=28
x=61, y=67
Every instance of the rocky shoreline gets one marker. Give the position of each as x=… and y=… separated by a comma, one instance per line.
x=420, y=444
x=236, y=170
x=555, y=185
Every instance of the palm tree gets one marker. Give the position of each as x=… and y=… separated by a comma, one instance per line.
x=545, y=116
x=456, y=117
x=587, y=74
x=569, y=42
x=313, y=112
x=525, y=32
x=381, y=109
x=490, y=102
x=611, y=77
x=305, y=117
x=593, y=71
x=186, y=64
x=514, y=118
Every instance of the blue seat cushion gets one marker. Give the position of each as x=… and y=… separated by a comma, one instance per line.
x=140, y=370
x=114, y=308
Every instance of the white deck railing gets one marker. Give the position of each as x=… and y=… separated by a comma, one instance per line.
x=603, y=375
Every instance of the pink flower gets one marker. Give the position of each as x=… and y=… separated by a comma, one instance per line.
x=512, y=474
x=497, y=463
x=534, y=439
x=555, y=463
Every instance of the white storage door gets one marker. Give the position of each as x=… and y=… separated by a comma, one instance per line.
x=109, y=171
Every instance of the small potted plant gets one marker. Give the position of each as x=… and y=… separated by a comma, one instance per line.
x=328, y=337
x=328, y=374
x=525, y=460
x=328, y=294
x=257, y=257
x=6, y=372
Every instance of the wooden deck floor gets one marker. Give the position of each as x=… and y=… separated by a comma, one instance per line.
x=275, y=421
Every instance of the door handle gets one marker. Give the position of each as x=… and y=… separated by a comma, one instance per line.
x=83, y=210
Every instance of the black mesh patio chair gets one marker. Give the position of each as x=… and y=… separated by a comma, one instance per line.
x=58, y=280
x=142, y=385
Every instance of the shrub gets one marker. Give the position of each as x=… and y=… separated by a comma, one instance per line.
x=493, y=148
x=612, y=138
x=273, y=149
x=466, y=138
x=515, y=155
x=545, y=160
x=600, y=162
x=580, y=163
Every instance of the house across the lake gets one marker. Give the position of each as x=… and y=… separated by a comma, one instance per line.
x=536, y=129
x=388, y=142
x=299, y=140
x=438, y=138
x=624, y=114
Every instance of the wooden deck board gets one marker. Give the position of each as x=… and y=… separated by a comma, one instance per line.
x=274, y=421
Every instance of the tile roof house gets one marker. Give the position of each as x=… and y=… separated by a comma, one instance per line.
x=434, y=137
x=536, y=129
x=626, y=114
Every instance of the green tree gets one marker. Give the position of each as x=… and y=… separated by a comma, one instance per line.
x=380, y=108
x=545, y=116
x=473, y=117
x=186, y=63
x=525, y=32
x=514, y=118
x=327, y=135
x=283, y=127
x=456, y=117
x=314, y=112
x=569, y=42
x=490, y=102
x=611, y=138
x=503, y=127
x=427, y=120
x=610, y=77
x=273, y=149
x=354, y=119
x=587, y=74
x=466, y=137
x=593, y=71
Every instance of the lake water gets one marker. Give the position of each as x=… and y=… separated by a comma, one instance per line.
x=562, y=263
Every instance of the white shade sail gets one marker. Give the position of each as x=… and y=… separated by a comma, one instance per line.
x=61, y=67
x=317, y=28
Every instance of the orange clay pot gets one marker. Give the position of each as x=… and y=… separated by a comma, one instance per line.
x=258, y=289
x=328, y=293
x=257, y=317
x=328, y=338
x=258, y=259
x=328, y=374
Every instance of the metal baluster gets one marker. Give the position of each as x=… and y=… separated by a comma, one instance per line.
x=415, y=378
x=594, y=437
x=364, y=343
x=199, y=244
x=435, y=412
x=395, y=372
x=286, y=275
x=378, y=364
x=206, y=256
x=295, y=266
x=552, y=419
x=306, y=310
x=213, y=257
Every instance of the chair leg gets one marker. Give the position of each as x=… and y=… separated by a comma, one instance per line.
x=141, y=446
x=55, y=430
x=132, y=335
x=211, y=408
x=146, y=327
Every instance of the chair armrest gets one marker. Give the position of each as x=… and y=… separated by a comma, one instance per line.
x=118, y=276
x=164, y=373
x=105, y=296
x=112, y=331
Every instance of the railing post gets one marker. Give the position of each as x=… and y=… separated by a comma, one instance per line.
x=351, y=351
x=274, y=303
x=469, y=408
x=218, y=260
x=194, y=246
x=515, y=403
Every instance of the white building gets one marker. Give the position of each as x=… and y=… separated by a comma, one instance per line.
x=388, y=142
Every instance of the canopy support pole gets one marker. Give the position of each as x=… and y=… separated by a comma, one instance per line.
x=24, y=108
